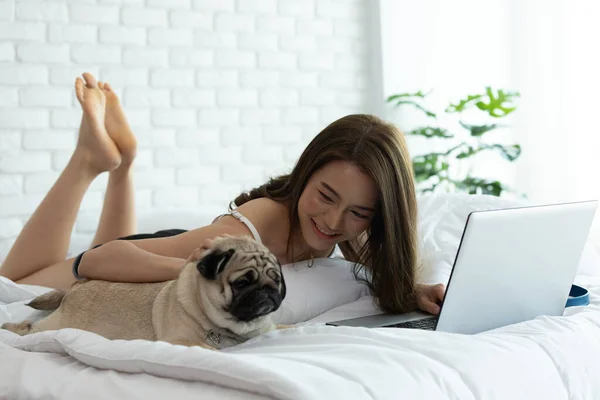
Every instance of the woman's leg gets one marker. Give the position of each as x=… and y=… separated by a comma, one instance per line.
x=45, y=238
x=118, y=211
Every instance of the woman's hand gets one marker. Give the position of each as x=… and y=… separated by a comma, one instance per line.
x=429, y=297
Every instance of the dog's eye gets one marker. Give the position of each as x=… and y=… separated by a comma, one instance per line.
x=274, y=276
x=240, y=283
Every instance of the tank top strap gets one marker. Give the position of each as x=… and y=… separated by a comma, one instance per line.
x=237, y=215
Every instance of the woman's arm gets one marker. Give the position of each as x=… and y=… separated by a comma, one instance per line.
x=160, y=259
x=151, y=260
x=268, y=217
x=122, y=261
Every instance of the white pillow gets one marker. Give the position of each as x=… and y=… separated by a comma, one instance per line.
x=313, y=290
x=442, y=219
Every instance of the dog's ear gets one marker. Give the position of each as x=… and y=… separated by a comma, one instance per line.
x=211, y=265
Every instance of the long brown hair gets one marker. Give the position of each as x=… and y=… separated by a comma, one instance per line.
x=389, y=247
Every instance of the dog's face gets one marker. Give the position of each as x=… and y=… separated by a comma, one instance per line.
x=243, y=278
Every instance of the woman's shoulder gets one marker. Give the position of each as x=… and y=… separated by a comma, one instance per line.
x=264, y=211
x=270, y=219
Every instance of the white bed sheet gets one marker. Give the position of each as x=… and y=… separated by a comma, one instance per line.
x=547, y=358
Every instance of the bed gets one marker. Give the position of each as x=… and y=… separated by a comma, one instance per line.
x=546, y=358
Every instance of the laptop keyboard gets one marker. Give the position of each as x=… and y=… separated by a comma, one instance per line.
x=425, y=323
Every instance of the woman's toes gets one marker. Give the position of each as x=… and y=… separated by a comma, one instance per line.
x=79, y=88
x=90, y=80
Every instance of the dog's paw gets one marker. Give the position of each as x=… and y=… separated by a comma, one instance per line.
x=21, y=328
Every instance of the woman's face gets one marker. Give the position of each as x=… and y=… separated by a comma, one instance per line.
x=337, y=204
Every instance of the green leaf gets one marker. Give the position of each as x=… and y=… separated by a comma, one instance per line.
x=495, y=107
x=430, y=132
x=462, y=105
x=430, y=188
x=416, y=105
x=418, y=94
x=478, y=130
x=480, y=186
x=452, y=149
x=510, y=153
x=428, y=165
x=470, y=151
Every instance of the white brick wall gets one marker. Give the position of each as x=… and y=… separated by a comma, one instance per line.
x=220, y=93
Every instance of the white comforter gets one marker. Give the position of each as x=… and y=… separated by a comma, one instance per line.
x=547, y=358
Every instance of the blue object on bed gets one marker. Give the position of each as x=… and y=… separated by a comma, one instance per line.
x=578, y=296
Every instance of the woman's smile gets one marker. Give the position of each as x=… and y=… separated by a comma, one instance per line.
x=323, y=233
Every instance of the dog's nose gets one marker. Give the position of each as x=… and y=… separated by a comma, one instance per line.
x=257, y=303
x=269, y=288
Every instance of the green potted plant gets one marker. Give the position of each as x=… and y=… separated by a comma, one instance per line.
x=434, y=170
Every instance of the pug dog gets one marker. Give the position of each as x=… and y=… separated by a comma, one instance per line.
x=223, y=296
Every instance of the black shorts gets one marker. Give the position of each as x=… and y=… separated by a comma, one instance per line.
x=137, y=236
x=157, y=234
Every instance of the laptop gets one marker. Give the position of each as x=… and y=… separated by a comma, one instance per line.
x=512, y=265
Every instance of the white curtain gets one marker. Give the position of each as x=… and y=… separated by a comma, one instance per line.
x=557, y=68
x=548, y=50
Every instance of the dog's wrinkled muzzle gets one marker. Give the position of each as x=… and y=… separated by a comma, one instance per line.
x=253, y=304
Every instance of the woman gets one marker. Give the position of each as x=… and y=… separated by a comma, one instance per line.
x=353, y=187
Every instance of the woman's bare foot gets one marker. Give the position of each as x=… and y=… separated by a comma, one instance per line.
x=117, y=126
x=94, y=146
